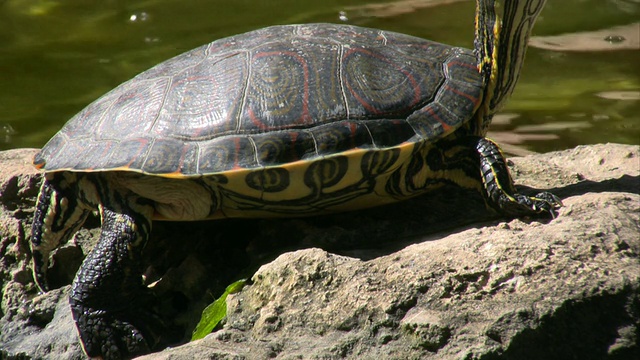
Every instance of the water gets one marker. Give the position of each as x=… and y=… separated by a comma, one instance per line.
x=58, y=56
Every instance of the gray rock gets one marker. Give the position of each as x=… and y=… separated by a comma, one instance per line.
x=437, y=279
x=31, y=325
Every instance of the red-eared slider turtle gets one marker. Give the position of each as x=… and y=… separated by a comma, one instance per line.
x=283, y=121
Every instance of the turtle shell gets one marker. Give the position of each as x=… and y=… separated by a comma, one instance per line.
x=272, y=97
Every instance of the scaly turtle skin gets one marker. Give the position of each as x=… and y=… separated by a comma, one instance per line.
x=283, y=121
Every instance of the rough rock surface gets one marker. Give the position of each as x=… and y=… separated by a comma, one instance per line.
x=432, y=278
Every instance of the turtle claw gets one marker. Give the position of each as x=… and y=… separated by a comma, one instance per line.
x=543, y=204
x=499, y=190
x=547, y=202
x=106, y=335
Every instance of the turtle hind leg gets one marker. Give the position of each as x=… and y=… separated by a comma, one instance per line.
x=109, y=302
x=499, y=190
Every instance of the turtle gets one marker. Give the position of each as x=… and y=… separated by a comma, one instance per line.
x=288, y=120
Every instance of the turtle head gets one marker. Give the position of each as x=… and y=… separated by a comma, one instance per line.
x=502, y=33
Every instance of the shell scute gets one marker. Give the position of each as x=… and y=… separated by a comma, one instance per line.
x=377, y=84
x=133, y=109
x=170, y=156
x=226, y=154
x=341, y=136
x=279, y=87
x=283, y=147
x=129, y=153
x=387, y=133
x=203, y=101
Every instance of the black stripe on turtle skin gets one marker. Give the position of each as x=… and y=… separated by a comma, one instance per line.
x=121, y=200
x=40, y=258
x=520, y=24
x=58, y=216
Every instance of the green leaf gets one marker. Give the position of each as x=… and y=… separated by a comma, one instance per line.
x=214, y=313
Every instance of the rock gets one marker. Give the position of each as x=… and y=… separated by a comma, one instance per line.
x=437, y=279
x=31, y=325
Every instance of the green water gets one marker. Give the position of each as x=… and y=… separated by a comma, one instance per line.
x=57, y=56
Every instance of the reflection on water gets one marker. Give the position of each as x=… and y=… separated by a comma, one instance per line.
x=58, y=56
x=6, y=133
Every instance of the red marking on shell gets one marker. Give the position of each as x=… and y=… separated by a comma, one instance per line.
x=473, y=99
x=257, y=122
x=294, y=138
x=446, y=127
x=180, y=166
x=142, y=143
x=352, y=128
x=236, y=165
x=460, y=63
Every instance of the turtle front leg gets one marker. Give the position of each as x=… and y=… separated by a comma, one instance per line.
x=58, y=215
x=108, y=297
x=499, y=190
